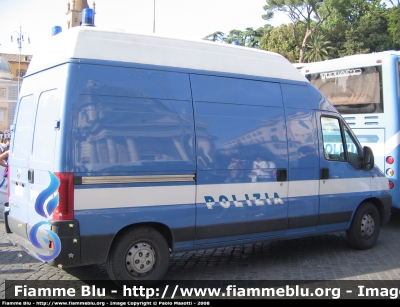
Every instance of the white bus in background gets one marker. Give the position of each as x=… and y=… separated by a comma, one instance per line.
x=365, y=90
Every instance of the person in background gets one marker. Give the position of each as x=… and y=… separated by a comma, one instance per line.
x=2, y=145
x=4, y=154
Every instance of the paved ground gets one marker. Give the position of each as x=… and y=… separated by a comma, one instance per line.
x=325, y=257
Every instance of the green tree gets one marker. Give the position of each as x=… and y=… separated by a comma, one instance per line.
x=354, y=43
x=248, y=38
x=358, y=27
x=217, y=36
x=394, y=25
x=317, y=49
x=336, y=34
x=351, y=27
x=374, y=28
x=280, y=40
x=353, y=10
x=310, y=14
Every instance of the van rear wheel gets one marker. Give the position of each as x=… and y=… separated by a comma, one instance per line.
x=365, y=228
x=140, y=254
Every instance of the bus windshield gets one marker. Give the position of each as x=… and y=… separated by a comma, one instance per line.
x=352, y=91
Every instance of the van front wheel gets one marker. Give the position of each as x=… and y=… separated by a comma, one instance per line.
x=140, y=254
x=364, y=230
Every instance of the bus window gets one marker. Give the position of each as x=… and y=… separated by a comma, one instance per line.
x=352, y=91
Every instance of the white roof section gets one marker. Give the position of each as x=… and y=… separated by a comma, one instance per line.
x=89, y=42
x=351, y=61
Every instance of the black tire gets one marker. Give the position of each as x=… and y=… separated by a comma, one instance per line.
x=365, y=228
x=140, y=254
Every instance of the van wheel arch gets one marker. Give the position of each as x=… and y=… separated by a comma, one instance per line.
x=379, y=205
x=365, y=226
x=161, y=228
x=139, y=253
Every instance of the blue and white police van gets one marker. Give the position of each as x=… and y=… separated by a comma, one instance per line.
x=128, y=147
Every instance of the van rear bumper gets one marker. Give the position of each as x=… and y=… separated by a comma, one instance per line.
x=67, y=231
x=69, y=234
x=6, y=212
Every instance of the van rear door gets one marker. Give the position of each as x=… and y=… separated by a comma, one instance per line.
x=21, y=144
x=47, y=125
x=33, y=144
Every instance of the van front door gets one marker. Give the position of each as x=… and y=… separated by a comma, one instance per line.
x=343, y=184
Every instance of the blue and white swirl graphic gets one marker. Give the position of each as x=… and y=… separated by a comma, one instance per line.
x=45, y=194
x=46, y=211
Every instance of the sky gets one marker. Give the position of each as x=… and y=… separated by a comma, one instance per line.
x=188, y=19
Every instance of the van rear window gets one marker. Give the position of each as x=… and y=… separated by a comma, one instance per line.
x=24, y=127
x=45, y=127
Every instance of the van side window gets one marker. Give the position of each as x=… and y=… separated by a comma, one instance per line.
x=352, y=149
x=338, y=146
x=332, y=138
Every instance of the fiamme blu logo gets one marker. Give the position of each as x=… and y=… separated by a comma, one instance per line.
x=45, y=209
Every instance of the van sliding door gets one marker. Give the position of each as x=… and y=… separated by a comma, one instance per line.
x=303, y=170
x=241, y=152
x=303, y=158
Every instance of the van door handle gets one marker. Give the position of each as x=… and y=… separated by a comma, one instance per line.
x=281, y=174
x=324, y=173
x=57, y=124
x=30, y=176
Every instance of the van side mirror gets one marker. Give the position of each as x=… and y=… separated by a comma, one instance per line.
x=368, y=161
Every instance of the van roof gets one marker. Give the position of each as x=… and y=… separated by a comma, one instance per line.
x=88, y=42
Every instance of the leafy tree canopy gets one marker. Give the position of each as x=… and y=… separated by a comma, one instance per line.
x=323, y=29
